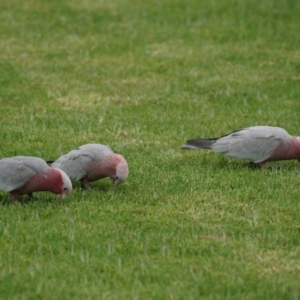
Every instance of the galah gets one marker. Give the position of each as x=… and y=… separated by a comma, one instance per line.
x=92, y=162
x=21, y=175
x=258, y=144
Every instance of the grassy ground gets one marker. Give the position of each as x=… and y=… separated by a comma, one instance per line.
x=142, y=77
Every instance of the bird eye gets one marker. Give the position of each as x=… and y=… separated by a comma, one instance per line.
x=116, y=178
x=65, y=188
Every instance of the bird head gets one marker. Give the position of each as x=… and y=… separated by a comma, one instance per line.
x=121, y=171
x=66, y=185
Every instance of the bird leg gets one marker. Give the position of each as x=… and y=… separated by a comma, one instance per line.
x=84, y=184
x=14, y=198
x=257, y=165
x=263, y=165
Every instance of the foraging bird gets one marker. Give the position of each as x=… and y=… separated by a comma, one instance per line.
x=92, y=162
x=21, y=175
x=257, y=144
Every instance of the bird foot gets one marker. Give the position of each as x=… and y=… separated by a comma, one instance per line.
x=85, y=185
x=253, y=165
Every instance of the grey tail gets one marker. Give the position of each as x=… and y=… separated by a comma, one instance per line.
x=50, y=162
x=198, y=144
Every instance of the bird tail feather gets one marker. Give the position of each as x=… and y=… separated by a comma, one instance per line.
x=198, y=144
x=50, y=162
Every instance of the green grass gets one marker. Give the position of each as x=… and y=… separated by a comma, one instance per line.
x=143, y=77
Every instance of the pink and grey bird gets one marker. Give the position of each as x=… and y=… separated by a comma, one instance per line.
x=258, y=144
x=21, y=175
x=92, y=162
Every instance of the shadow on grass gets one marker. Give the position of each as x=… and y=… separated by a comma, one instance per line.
x=222, y=162
x=40, y=197
x=94, y=186
x=102, y=185
x=24, y=200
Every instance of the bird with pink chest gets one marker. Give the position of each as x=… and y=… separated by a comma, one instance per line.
x=92, y=162
x=258, y=144
x=21, y=175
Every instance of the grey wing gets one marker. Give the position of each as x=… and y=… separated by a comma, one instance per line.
x=254, y=143
x=76, y=161
x=73, y=164
x=14, y=174
x=94, y=150
x=35, y=163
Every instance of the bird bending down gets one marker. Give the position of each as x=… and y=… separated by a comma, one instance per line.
x=21, y=175
x=92, y=162
x=258, y=144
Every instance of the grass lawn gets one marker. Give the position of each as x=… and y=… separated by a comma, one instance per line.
x=143, y=77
